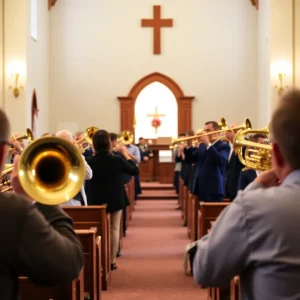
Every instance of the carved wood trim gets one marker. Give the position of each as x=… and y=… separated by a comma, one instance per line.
x=51, y=3
x=127, y=103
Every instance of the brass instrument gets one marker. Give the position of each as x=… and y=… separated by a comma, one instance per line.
x=51, y=170
x=85, y=142
x=255, y=156
x=28, y=135
x=126, y=138
x=4, y=181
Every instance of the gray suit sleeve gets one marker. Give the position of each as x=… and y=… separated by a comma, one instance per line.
x=50, y=252
x=223, y=253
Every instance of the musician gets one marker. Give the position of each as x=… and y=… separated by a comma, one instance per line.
x=257, y=235
x=126, y=178
x=179, y=158
x=80, y=198
x=210, y=159
x=18, y=146
x=145, y=151
x=233, y=167
x=248, y=175
x=107, y=185
x=37, y=241
x=78, y=135
x=135, y=155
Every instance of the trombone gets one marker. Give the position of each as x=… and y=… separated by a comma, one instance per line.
x=251, y=154
x=126, y=138
x=223, y=125
x=28, y=135
x=51, y=170
x=85, y=142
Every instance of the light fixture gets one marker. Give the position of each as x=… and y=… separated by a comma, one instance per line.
x=16, y=69
x=281, y=69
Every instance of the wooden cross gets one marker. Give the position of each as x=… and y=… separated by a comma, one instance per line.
x=157, y=23
x=156, y=115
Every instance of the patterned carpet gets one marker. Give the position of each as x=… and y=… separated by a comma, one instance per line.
x=151, y=265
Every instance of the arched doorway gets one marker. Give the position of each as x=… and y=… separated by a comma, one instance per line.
x=155, y=104
x=34, y=113
x=184, y=103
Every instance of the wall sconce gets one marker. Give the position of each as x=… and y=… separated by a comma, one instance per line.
x=279, y=70
x=280, y=87
x=16, y=70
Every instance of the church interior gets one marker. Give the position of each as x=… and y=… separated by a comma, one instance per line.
x=153, y=73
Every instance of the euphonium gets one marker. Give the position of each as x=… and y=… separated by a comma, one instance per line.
x=251, y=154
x=126, y=138
x=51, y=170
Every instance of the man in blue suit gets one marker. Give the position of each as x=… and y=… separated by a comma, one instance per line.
x=210, y=159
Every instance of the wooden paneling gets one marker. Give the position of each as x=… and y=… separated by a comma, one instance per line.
x=184, y=103
x=166, y=172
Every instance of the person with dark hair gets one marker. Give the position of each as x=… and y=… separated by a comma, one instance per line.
x=210, y=159
x=106, y=185
x=257, y=235
x=248, y=175
x=37, y=240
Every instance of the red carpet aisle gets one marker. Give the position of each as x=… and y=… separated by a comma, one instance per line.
x=151, y=266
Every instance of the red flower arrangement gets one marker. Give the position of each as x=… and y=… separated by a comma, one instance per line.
x=155, y=122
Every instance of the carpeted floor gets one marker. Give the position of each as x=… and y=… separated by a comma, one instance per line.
x=151, y=265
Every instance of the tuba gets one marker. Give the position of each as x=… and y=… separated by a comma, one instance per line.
x=51, y=170
x=126, y=138
x=251, y=154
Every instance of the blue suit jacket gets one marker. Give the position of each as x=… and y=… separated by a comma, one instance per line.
x=246, y=177
x=209, y=173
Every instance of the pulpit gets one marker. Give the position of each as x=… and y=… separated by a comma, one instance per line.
x=160, y=168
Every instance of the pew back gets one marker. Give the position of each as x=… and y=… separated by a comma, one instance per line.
x=85, y=217
x=208, y=212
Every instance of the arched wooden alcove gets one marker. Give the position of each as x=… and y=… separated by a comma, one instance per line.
x=127, y=103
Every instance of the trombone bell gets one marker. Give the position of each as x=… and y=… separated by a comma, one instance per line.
x=51, y=170
x=126, y=138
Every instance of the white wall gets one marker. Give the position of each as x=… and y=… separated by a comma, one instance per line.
x=297, y=42
x=281, y=42
x=38, y=67
x=264, y=88
x=15, y=50
x=99, y=50
x=1, y=52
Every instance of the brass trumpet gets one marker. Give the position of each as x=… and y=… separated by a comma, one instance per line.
x=51, y=170
x=4, y=179
x=126, y=138
x=255, y=156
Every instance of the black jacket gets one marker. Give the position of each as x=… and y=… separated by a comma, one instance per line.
x=106, y=185
x=232, y=173
x=33, y=248
x=246, y=177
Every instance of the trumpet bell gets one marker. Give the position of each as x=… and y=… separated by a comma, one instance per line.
x=51, y=170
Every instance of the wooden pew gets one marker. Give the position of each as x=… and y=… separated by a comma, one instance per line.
x=194, y=217
x=185, y=204
x=91, y=244
x=235, y=288
x=181, y=195
x=189, y=214
x=208, y=211
x=71, y=291
x=85, y=217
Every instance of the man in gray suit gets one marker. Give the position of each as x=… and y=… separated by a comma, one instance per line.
x=37, y=241
x=257, y=235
